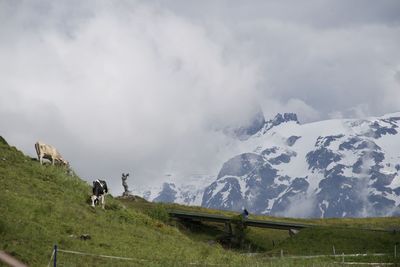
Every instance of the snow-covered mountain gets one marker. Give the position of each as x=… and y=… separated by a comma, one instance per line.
x=332, y=168
x=188, y=191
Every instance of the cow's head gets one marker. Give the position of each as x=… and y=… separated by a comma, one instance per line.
x=63, y=162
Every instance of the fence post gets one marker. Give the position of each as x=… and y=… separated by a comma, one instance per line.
x=334, y=251
x=55, y=256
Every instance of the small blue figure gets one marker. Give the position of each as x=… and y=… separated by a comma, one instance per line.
x=245, y=214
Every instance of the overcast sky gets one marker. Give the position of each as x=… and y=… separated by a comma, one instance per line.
x=142, y=86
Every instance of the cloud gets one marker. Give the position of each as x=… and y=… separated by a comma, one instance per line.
x=305, y=210
x=133, y=86
x=272, y=106
x=120, y=90
x=332, y=55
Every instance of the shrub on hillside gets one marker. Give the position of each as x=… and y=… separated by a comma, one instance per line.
x=158, y=212
x=114, y=206
x=239, y=231
x=3, y=141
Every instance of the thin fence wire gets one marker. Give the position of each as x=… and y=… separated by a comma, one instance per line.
x=101, y=256
x=51, y=258
x=142, y=261
x=366, y=263
x=137, y=260
x=331, y=255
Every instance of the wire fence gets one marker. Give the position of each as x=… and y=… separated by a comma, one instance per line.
x=59, y=258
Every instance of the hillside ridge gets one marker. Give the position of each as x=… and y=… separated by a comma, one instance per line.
x=43, y=205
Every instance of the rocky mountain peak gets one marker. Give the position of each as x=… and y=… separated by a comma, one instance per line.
x=286, y=117
x=331, y=168
x=168, y=193
x=280, y=119
x=324, y=169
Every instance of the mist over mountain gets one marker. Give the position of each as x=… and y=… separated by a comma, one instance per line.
x=331, y=168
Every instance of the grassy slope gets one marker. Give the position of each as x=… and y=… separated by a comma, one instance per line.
x=348, y=235
x=42, y=206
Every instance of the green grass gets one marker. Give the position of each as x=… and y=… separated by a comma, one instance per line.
x=42, y=205
x=348, y=241
x=347, y=235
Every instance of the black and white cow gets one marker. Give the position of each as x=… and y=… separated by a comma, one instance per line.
x=99, y=192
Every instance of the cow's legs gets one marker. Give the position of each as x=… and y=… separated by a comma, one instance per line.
x=102, y=197
x=93, y=199
x=41, y=159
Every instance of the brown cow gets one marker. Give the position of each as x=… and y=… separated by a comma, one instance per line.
x=49, y=152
